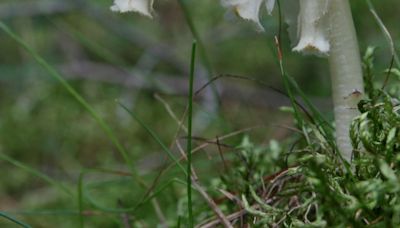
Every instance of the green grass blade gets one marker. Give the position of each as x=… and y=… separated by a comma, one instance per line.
x=385, y=32
x=80, y=200
x=328, y=130
x=178, y=225
x=10, y=218
x=83, y=195
x=90, y=44
x=35, y=173
x=284, y=76
x=53, y=73
x=315, y=112
x=155, y=137
x=297, y=115
x=189, y=137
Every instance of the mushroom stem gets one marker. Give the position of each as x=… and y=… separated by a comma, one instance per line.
x=346, y=72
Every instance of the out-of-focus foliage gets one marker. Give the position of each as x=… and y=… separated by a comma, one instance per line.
x=125, y=57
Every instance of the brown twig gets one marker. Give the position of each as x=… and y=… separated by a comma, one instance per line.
x=222, y=218
x=221, y=154
x=231, y=218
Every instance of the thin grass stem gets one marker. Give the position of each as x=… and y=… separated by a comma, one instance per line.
x=189, y=138
x=14, y=220
x=35, y=173
x=57, y=76
x=155, y=137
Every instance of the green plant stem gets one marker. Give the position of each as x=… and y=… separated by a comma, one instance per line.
x=189, y=138
x=284, y=76
x=155, y=137
x=36, y=173
x=12, y=219
x=287, y=86
x=385, y=32
x=53, y=73
x=346, y=72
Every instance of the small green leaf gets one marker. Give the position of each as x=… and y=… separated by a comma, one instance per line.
x=387, y=171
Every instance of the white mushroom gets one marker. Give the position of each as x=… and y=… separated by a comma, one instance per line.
x=144, y=7
x=249, y=9
x=313, y=27
x=324, y=28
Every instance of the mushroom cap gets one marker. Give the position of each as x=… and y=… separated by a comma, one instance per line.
x=307, y=19
x=312, y=28
x=249, y=9
x=144, y=7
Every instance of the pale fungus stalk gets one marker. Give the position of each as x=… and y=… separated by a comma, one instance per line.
x=346, y=72
x=324, y=28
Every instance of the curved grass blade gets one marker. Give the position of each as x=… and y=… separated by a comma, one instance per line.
x=14, y=220
x=385, y=32
x=80, y=200
x=155, y=137
x=35, y=173
x=82, y=189
x=57, y=76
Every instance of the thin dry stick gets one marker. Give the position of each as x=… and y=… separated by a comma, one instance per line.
x=217, y=142
x=306, y=112
x=230, y=218
x=125, y=218
x=195, y=183
x=232, y=198
x=166, y=167
x=204, y=194
x=208, y=199
x=181, y=126
x=223, y=219
x=285, y=216
x=221, y=154
x=277, y=184
x=182, y=152
x=211, y=141
x=204, y=145
x=170, y=112
x=159, y=213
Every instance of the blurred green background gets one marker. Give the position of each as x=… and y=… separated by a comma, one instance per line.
x=143, y=64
